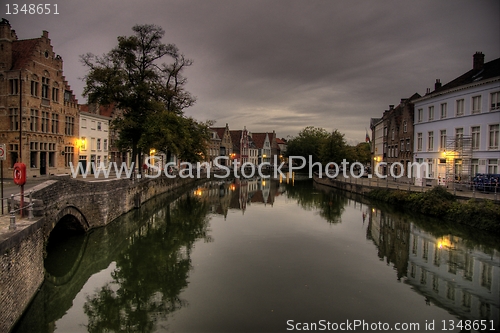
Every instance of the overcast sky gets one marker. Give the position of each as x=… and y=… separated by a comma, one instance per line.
x=282, y=64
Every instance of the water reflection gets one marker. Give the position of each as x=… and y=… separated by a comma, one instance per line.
x=146, y=258
x=151, y=272
x=447, y=270
x=240, y=194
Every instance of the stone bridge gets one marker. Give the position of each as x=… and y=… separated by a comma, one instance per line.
x=63, y=205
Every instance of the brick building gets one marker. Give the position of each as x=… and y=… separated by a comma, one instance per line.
x=226, y=144
x=44, y=134
x=398, y=136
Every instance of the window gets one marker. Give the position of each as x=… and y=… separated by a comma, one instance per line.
x=83, y=143
x=392, y=135
x=68, y=155
x=408, y=147
x=92, y=144
x=92, y=124
x=443, y=110
x=67, y=96
x=52, y=155
x=493, y=138
x=84, y=123
x=34, y=120
x=13, y=86
x=13, y=154
x=106, y=145
x=402, y=145
x=420, y=115
x=493, y=166
x=474, y=163
x=476, y=137
x=495, y=101
x=460, y=108
x=430, y=162
x=34, y=88
x=99, y=127
x=405, y=127
x=55, y=94
x=45, y=87
x=459, y=135
x=419, y=141
x=430, y=145
x=45, y=121
x=431, y=112
x=99, y=144
x=55, y=123
x=34, y=154
x=14, y=119
x=69, y=128
x=442, y=139
x=476, y=104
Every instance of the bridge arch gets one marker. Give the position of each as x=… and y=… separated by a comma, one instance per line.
x=71, y=219
x=65, y=242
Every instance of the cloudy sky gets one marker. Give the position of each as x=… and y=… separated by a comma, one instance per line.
x=285, y=64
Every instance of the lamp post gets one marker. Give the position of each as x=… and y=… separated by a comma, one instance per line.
x=20, y=157
x=152, y=153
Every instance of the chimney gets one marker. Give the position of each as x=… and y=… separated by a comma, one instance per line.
x=391, y=107
x=428, y=91
x=478, y=62
x=438, y=84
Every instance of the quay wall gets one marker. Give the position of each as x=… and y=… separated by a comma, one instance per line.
x=88, y=204
x=21, y=271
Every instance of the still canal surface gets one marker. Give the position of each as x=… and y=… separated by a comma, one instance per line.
x=265, y=256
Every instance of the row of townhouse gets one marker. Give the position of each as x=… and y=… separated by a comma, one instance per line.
x=454, y=129
x=243, y=146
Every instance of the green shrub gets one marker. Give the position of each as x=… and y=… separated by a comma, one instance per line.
x=438, y=202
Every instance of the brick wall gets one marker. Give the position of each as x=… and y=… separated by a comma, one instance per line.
x=22, y=272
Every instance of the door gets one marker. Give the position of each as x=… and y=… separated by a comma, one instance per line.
x=92, y=164
x=43, y=163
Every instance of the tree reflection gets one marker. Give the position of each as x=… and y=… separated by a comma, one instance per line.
x=329, y=202
x=151, y=273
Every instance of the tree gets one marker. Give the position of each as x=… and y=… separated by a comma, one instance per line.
x=335, y=149
x=308, y=142
x=133, y=77
x=362, y=152
x=182, y=136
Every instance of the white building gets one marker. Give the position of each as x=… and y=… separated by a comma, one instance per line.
x=94, y=139
x=456, y=127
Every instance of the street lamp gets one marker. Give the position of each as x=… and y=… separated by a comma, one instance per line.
x=152, y=153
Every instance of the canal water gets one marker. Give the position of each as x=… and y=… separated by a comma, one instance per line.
x=268, y=256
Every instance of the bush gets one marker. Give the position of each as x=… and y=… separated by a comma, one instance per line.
x=439, y=202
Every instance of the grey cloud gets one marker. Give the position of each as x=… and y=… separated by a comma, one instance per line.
x=286, y=64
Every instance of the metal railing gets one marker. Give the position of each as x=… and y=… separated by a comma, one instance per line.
x=12, y=211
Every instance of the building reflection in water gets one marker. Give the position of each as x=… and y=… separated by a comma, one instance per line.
x=462, y=278
x=239, y=193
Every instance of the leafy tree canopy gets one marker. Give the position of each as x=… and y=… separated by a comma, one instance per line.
x=134, y=77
